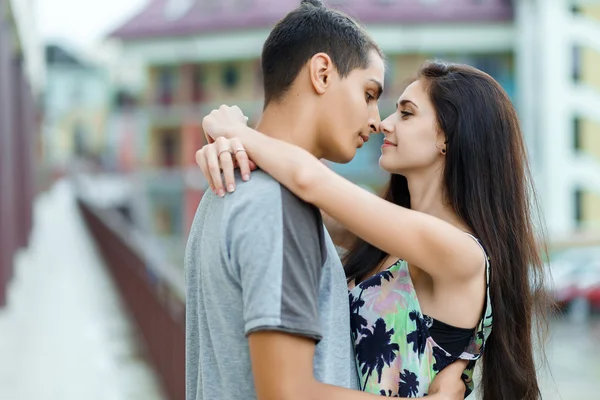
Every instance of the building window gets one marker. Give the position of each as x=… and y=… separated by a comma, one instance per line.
x=577, y=145
x=169, y=149
x=231, y=77
x=124, y=100
x=576, y=71
x=579, y=206
x=197, y=84
x=166, y=85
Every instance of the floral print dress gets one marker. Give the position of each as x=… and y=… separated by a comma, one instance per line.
x=395, y=353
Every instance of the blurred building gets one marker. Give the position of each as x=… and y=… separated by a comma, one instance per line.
x=76, y=101
x=586, y=122
x=559, y=102
x=201, y=53
x=21, y=67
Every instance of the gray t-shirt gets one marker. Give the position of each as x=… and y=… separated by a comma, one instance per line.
x=261, y=259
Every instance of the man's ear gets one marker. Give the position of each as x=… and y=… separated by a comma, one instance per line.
x=321, y=71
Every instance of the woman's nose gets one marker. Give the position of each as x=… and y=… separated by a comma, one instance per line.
x=386, y=126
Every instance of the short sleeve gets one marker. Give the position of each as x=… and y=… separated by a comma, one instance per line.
x=275, y=246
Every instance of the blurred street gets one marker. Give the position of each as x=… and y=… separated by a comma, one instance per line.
x=574, y=358
x=64, y=334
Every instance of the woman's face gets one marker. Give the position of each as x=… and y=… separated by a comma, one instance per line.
x=412, y=138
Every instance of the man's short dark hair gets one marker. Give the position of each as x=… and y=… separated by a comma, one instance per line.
x=310, y=29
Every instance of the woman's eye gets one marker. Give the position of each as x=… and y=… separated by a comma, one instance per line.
x=405, y=114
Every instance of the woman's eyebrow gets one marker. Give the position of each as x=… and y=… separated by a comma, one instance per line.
x=405, y=102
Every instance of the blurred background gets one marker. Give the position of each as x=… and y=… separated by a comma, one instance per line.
x=100, y=112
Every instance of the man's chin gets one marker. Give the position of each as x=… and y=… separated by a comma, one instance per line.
x=344, y=158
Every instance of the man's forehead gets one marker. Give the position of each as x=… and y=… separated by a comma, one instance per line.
x=376, y=71
x=376, y=81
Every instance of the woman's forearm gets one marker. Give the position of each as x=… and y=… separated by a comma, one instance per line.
x=292, y=166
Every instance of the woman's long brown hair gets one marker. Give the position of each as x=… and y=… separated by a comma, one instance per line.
x=488, y=183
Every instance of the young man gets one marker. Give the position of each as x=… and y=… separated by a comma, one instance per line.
x=267, y=300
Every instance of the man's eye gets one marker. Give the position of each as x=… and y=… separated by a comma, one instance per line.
x=370, y=97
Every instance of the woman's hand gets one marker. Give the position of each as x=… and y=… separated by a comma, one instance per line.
x=224, y=155
x=448, y=384
x=223, y=122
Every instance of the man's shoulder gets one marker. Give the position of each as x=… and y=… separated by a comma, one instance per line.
x=259, y=181
x=260, y=189
x=263, y=195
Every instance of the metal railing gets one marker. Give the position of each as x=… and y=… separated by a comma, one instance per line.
x=153, y=293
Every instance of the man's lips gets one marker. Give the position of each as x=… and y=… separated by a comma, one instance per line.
x=365, y=138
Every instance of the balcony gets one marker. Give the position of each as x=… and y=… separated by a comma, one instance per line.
x=177, y=114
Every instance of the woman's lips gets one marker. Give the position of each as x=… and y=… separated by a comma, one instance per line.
x=387, y=143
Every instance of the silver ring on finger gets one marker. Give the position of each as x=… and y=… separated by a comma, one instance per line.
x=223, y=151
x=235, y=151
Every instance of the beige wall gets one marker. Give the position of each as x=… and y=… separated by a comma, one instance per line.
x=590, y=60
x=406, y=66
x=590, y=68
x=156, y=135
x=590, y=137
x=591, y=209
x=244, y=90
x=590, y=130
x=247, y=88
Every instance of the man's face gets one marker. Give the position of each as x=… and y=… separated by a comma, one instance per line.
x=349, y=112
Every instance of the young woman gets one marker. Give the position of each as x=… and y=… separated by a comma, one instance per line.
x=450, y=248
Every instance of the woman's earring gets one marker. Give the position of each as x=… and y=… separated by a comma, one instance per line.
x=443, y=151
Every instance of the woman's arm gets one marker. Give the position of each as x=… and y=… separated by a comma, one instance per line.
x=428, y=242
x=437, y=247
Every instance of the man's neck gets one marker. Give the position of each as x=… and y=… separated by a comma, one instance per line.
x=292, y=124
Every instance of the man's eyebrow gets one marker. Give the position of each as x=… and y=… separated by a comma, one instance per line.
x=379, y=87
x=405, y=102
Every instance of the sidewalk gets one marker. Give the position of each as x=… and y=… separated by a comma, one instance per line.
x=64, y=334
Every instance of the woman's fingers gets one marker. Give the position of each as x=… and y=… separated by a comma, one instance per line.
x=203, y=164
x=226, y=162
x=241, y=157
x=220, y=159
x=212, y=159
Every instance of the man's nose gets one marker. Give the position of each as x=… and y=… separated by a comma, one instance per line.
x=375, y=122
x=374, y=127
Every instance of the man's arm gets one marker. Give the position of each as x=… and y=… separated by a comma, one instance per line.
x=282, y=366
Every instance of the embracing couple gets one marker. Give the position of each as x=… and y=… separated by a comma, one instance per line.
x=442, y=272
